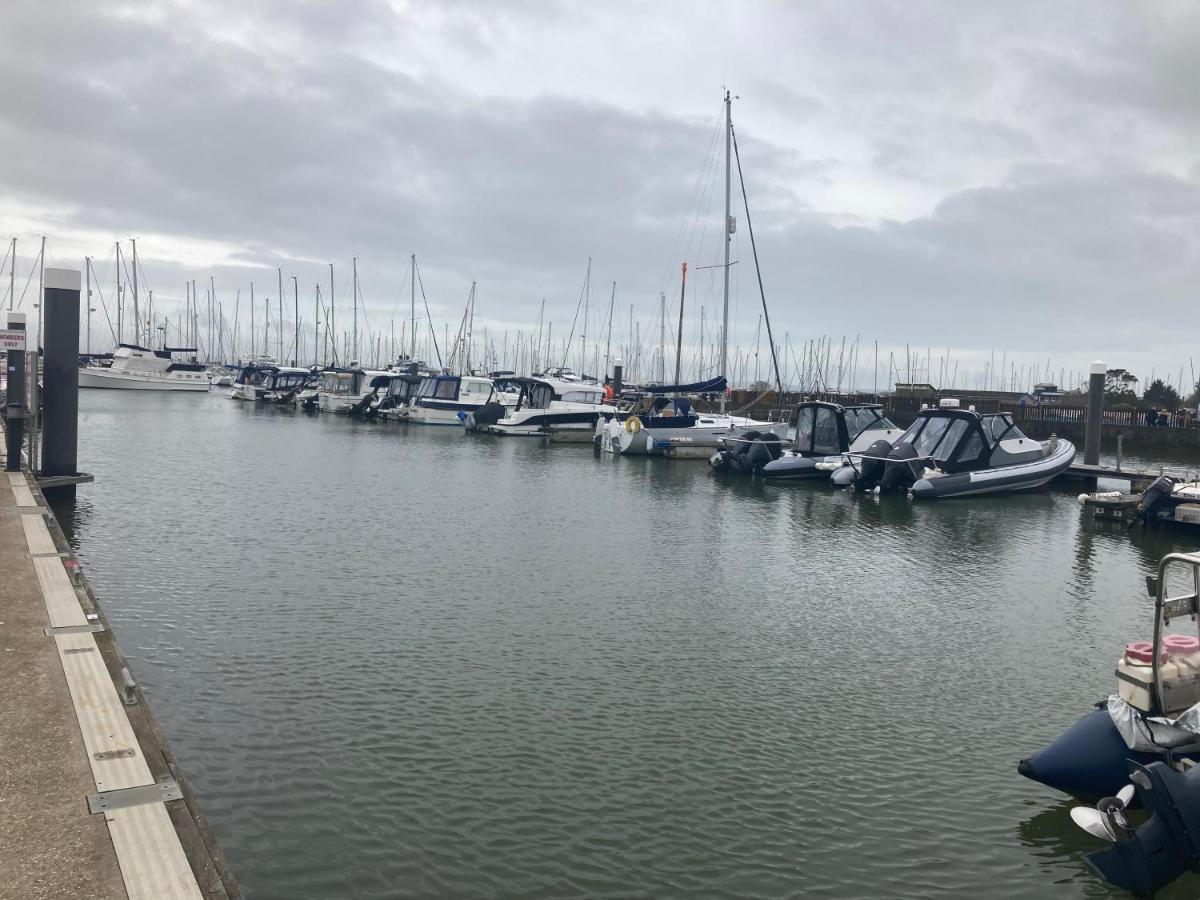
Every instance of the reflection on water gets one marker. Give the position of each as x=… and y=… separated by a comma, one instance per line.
x=407, y=661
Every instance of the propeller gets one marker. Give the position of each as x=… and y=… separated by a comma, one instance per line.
x=1107, y=820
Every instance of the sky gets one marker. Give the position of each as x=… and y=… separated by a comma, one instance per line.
x=990, y=186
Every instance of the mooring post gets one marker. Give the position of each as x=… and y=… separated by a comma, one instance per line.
x=60, y=393
x=617, y=375
x=13, y=341
x=1095, y=415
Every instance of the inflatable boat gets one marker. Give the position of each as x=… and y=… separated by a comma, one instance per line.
x=1154, y=716
x=1142, y=749
x=952, y=452
x=824, y=432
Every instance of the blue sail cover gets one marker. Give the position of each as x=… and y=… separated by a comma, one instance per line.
x=712, y=386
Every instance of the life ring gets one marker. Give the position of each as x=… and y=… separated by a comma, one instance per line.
x=633, y=424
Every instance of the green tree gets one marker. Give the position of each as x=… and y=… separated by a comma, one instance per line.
x=1160, y=394
x=1119, y=384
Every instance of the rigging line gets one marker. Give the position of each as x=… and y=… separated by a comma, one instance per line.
x=693, y=198
x=754, y=249
x=104, y=306
x=29, y=278
x=428, y=317
x=578, y=306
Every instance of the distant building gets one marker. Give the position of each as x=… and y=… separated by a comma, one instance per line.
x=914, y=389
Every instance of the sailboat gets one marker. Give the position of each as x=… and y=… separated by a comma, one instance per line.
x=665, y=423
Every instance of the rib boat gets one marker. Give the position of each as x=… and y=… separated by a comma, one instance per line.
x=953, y=452
x=825, y=433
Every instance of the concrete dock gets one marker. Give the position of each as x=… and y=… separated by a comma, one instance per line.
x=92, y=803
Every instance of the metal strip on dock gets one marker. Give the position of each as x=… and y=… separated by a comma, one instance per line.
x=159, y=792
x=61, y=601
x=148, y=849
x=37, y=535
x=20, y=489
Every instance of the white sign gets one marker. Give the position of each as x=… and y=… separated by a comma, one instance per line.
x=12, y=339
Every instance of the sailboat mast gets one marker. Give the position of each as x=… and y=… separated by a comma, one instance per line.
x=679, y=337
x=662, y=337
x=252, y=321
x=728, y=230
x=354, y=346
x=120, y=297
x=296, y=313
x=137, y=319
x=12, y=275
x=412, y=356
x=608, y=341
x=279, y=322
x=332, y=316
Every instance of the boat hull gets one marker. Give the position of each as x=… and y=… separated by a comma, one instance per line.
x=1089, y=760
x=1000, y=480
x=133, y=381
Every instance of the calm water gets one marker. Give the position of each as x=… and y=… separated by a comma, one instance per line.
x=411, y=662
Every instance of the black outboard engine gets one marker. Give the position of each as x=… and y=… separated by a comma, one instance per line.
x=873, y=468
x=362, y=405
x=901, y=469
x=488, y=414
x=730, y=459
x=767, y=448
x=1167, y=844
x=1160, y=489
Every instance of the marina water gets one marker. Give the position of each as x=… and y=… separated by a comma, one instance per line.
x=404, y=661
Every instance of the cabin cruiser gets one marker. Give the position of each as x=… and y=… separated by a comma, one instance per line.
x=825, y=433
x=393, y=402
x=449, y=399
x=953, y=452
x=269, y=383
x=352, y=391
x=544, y=406
x=661, y=425
x=141, y=369
x=1141, y=746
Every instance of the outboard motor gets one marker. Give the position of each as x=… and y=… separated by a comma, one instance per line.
x=488, y=414
x=901, y=469
x=362, y=405
x=872, y=469
x=1160, y=489
x=1165, y=846
x=765, y=449
x=731, y=457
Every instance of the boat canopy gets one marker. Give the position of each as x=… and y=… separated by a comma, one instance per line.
x=827, y=429
x=712, y=386
x=959, y=440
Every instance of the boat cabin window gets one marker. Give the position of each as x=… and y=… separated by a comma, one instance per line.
x=804, y=427
x=865, y=419
x=583, y=396
x=439, y=389
x=950, y=440
x=971, y=449
x=476, y=386
x=538, y=396
x=826, y=439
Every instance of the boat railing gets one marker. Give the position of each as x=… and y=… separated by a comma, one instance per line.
x=1166, y=608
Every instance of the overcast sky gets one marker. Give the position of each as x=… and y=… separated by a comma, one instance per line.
x=1010, y=177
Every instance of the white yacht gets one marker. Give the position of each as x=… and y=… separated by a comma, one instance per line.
x=449, y=399
x=545, y=406
x=136, y=368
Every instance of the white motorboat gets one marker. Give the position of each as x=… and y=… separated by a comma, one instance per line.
x=268, y=383
x=351, y=390
x=449, y=399
x=545, y=407
x=137, y=368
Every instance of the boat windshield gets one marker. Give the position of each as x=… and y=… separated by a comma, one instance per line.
x=439, y=389
x=866, y=418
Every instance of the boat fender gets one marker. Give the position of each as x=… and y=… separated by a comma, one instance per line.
x=633, y=424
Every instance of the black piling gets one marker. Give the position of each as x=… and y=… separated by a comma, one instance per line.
x=14, y=404
x=1095, y=415
x=60, y=394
